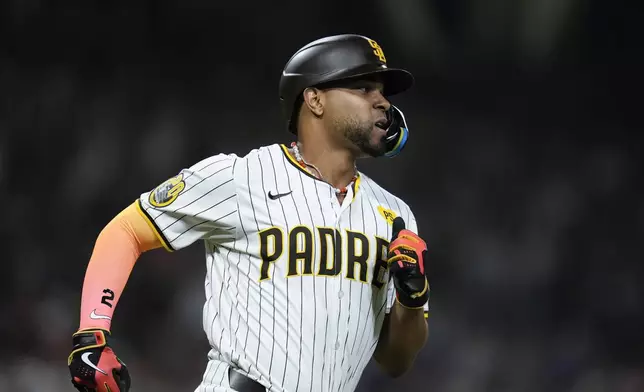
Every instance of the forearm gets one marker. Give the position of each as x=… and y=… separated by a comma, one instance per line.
x=117, y=249
x=403, y=335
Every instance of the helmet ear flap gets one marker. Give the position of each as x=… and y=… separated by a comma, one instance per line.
x=397, y=132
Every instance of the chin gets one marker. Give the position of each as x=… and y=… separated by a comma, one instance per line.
x=379, y=146
x=369, y=144
x=374, y=149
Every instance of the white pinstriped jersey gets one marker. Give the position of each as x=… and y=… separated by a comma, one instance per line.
x=296, y=287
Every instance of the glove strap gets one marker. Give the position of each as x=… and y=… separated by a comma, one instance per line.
x=90, y=338
x=415, y=301
x=86, y=340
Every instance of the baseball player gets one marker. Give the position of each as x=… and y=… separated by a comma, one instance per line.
x=312, y=267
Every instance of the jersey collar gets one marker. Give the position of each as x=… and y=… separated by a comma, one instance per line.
x=355, y=186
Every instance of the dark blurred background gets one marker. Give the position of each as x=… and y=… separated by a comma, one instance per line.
x=523, y=169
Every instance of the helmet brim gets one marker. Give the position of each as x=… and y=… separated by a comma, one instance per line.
x=394, y=80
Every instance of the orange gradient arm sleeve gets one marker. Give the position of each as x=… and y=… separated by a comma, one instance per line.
x=117, y=249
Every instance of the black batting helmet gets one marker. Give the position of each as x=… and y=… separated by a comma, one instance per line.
x=331, y=59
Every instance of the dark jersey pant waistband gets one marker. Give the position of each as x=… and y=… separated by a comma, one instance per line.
x=241, y=383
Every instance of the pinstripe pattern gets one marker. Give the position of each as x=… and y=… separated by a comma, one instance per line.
x=302, y=333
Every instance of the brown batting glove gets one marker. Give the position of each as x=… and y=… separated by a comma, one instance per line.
x=93, y=365
x=406, y=259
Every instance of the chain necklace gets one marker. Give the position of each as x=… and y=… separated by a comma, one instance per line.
x=305, y=165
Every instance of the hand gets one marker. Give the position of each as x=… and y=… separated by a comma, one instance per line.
x=93, y=365
x=407, y=252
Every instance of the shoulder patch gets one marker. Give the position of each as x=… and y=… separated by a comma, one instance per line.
x=389, y=215
x=166, y=193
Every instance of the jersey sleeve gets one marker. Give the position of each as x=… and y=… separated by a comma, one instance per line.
x=391, y=290
x=198, y=203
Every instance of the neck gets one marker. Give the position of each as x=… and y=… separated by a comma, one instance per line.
x=336, y=165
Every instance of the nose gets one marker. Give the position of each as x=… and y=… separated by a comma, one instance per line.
x=381, y=102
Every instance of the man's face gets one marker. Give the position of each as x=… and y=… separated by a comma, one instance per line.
x=355, y=112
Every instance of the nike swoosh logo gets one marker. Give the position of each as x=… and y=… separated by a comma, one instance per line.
x=278, y=195
x=85, y=358
x=95, y=316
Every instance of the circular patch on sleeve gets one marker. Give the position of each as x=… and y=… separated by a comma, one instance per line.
x=166, y=193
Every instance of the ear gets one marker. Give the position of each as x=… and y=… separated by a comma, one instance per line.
x=314, y=100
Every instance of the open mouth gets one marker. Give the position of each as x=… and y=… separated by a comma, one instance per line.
x=382, y=124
